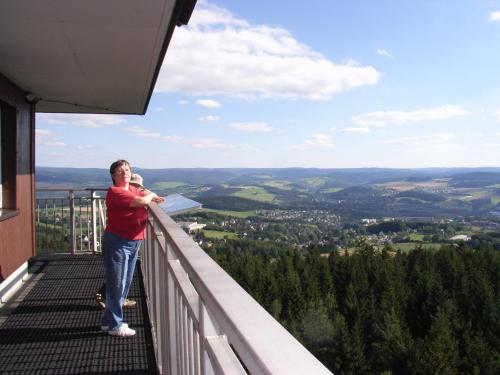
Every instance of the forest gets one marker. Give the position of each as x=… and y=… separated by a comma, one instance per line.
x=376, y=312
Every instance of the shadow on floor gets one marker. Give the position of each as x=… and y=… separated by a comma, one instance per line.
x=56, y=327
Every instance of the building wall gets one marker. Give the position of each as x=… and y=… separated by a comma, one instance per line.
x=17, y=232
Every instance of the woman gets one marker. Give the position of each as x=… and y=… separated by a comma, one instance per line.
x=125, y=228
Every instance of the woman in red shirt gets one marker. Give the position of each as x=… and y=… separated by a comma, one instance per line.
x=125, y=229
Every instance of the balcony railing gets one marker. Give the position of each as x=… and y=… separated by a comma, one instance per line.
x=70, y=220
x=203, y=321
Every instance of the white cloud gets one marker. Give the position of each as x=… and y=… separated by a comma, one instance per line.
x=497, y=115
x=425, y=140
x=382, y=118
x=494, y=17
x=173, y=138
x=209, y=103
x=492, y=144
x=252, y=61
x=210, y=143
x=81, y=120
x=43, y=133
x=251, y=127
x=357, y=130
x=84, y=147
x=383, y=52
x=182, y=102
x=247, y=147
x=315, y=140
x=46, y=137
x=158, y=109
x=52, y=143
x=209, y=118
x=141, y=132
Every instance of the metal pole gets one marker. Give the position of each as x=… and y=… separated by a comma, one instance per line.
x=72, y=220
x=94, y=221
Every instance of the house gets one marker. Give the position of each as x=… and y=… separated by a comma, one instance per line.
x=460, y=237
x=191, y=227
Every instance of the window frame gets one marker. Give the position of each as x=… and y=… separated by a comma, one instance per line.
x=8, y=161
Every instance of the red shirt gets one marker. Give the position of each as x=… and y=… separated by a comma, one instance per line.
x=121, y=219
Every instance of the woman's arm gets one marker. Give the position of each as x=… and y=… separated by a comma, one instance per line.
x=147, y=198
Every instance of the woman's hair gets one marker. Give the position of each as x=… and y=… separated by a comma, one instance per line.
x=115, y=165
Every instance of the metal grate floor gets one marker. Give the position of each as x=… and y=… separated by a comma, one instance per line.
x=56, y=327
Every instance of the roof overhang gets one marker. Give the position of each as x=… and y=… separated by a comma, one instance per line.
x=92, y=56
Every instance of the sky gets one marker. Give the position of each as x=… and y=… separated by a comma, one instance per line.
x=320, y=83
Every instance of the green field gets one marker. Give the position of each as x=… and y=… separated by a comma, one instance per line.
x=219, y=234
x=416, y=237
x=410, y=199
x=495, y=199
x=283, y=185
x=255, y=193
x=314, y=181
x=332, y=190
x=240, y=214
x=163, y=185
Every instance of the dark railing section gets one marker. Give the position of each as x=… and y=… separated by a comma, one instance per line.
x=69, y=220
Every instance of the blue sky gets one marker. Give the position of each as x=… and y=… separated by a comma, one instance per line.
x=328, y=84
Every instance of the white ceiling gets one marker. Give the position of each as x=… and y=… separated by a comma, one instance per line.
x=87, y=56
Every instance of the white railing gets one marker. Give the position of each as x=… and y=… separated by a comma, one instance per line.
x=69, y=220
x=203, y=321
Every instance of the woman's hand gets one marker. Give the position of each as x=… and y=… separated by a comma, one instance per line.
x=158, y=199
x=146, y=199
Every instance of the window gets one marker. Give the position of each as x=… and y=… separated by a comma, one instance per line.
x=1, y=205
x=7, y=161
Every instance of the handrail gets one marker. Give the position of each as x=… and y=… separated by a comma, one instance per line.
x=203, y=321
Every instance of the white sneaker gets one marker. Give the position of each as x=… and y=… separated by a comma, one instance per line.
x=106, y=328
x=122, y=331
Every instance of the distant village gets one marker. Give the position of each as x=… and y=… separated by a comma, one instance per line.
x=303, y=228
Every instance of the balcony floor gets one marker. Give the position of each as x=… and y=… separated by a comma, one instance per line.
x=56, y=327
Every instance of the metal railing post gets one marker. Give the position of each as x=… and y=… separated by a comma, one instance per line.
x=72, y=220
x=208, y=328
x=172, y=339
x=93, y=197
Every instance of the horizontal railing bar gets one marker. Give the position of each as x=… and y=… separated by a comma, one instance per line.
x=222, y=357
x=76, y=189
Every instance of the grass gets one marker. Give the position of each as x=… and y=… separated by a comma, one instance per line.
x=240, y=214
x=163, y=185
x=495, y=199
x=219, y=234
x=332, y=190
x=407, y=185
x=255, y=193
x=314, y=181
x=411, y=199
x=416, y=237
x=283, y=185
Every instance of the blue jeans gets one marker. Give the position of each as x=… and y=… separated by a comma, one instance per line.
x=120, y=256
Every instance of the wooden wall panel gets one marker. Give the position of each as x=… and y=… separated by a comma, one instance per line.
x=17, y=233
